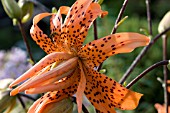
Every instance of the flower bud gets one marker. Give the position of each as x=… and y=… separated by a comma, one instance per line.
x=12, y=9
x=27, y=8
x=7, y=102
x=54, y=10
x=102, y=71
x=165, y=23
x=63, y=106
x=168, y=65
x=100, y=1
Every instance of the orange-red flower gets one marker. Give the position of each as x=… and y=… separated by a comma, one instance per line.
x=69, y=67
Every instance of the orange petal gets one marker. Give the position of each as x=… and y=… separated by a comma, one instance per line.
x=49, y=97
x=79, y=20
x=70, y=24
x=56, y=86
x=17, y=89
x=105, y=93
x=61, y=71
x=49, y=59
x=95, y=52
x=77, y=8
x=55, y=26
x=37, y=34
x=54, y=96
x=80, y=89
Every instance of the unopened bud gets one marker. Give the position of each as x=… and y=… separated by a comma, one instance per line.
x=63, y=106
x=100, y=1
x=12, y=9
x=27, y=8
x=7, y=102
x=168, y=65
x=102, y=71
x=164, y=23
x=54, y=10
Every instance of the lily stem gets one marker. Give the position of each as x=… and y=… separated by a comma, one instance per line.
x=149, y=16
x=165, y=72
x=83, y=107
x=119, y=16
x=95, y=38
x=164, y=62
x=95, y=30
x=139, y=57
x=25, y=39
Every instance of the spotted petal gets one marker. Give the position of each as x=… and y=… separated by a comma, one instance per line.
x=105, y=93
x=80, y=89
x=62, y=84
x=49, y=59
x=61, y=71
x=54, y=96
x=55, y=27
x=95, y=52
x=17, y=89
x=79, y=20
x=41, y=39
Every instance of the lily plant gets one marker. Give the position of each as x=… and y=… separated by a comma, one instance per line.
x=70, y=67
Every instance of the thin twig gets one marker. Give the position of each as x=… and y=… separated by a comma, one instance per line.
x=165, y=72
x=25, y=39
x=22, y=102
x=139, y=57
x=83, y=107
x=119, y=16
x=95, y=30
x=27, y=96
x=149, y=17
x=164, y=62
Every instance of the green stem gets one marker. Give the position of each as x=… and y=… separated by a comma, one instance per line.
x=165, y=72
x=165, y=62
x=25, y=39
x=122, y=10
x=139, y=57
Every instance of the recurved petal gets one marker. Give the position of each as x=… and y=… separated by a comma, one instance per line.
x=61, y=71
x=62, y=84
x=54, y=96
x=97, y=51
x=47, y=60
x=50, y=97
x=78, y=21
x=17, y=89
x=55, y=26
x=81, y=88
x=63, y=106
x=37, y=34
x=105, y=93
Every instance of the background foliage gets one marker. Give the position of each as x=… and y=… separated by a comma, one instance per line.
x=116, y=65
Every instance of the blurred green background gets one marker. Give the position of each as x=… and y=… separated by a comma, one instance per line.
x=116, y=65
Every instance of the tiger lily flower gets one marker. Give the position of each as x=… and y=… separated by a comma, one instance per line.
x=69, y=67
